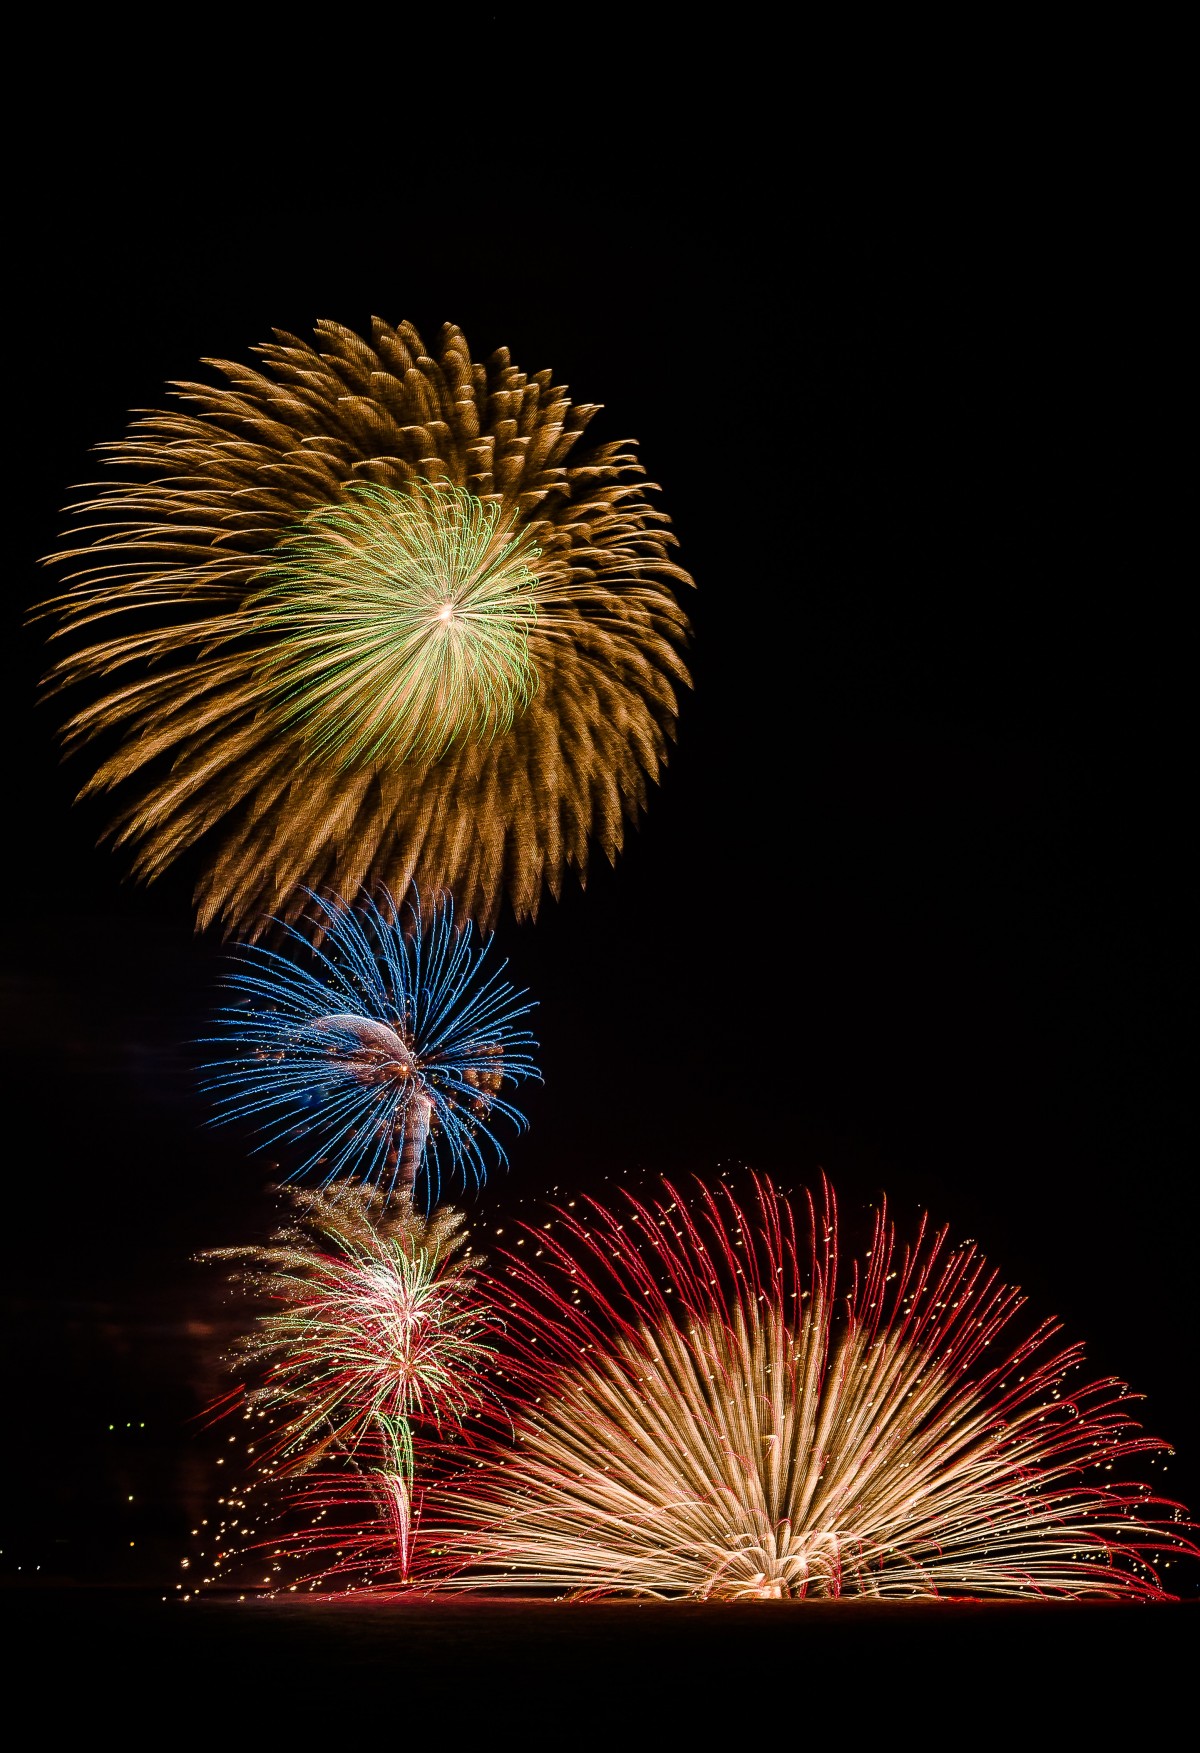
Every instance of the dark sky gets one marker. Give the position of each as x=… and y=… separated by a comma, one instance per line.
x=913, y=902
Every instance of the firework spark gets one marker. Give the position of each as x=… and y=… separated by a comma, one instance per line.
x=364, y=616
x=387, y=1054
x=704, y=1418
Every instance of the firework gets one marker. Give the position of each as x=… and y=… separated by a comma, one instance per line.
x=369, y=1323
x=364, y=616
x=363, y=1341
x=403, y=623
x=386, y=1053
x=370, y=1335
x=705, y=1418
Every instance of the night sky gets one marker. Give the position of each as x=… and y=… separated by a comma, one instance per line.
x=913, y=902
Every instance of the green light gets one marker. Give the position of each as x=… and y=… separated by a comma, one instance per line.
x=398, y=623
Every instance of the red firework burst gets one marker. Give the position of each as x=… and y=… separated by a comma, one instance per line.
x=710, y=1407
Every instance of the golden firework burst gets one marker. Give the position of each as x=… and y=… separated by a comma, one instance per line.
x=365, y=615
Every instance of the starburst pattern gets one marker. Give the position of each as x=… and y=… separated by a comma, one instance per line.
x=711, y=1410
x=364, y=1341
x=371, y=1352
x=364, y=616
x=383, y=1045
x=403, y=622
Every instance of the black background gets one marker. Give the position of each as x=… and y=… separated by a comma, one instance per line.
x=913, y=901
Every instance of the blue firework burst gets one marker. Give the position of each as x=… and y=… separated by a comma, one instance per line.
x=384, y=1044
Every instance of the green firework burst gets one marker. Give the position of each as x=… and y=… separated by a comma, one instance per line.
x=400, y=622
